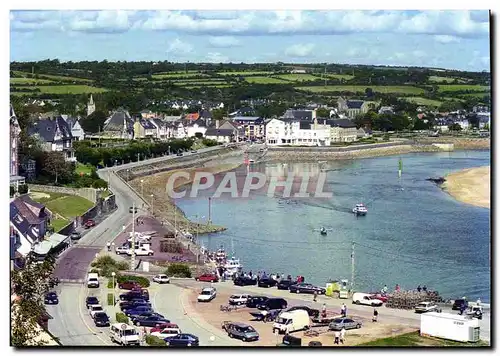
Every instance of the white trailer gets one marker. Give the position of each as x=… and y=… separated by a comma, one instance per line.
x=449, y=326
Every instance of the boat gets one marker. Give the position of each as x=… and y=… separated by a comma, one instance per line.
x=360, y=209
x=322, y=231
x=232, y=266
x=220, y=255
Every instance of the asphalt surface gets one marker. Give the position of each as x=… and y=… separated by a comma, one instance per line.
x=74, y=263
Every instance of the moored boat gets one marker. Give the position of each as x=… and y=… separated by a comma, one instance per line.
x=360, y=209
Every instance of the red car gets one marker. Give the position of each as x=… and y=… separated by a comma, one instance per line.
x=89, y=223
x=207, y=277
x=381, y=297
x=129, y=285
x=163, y=326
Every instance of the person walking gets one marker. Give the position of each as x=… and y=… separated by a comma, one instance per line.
x=337, y=337
x=385, y=289
x=342, y=336
x=343, y=310
x=315, y=296
x=419, y=288
x=478, y=302
x=375, y=315
x=323, y=311
x=108, y=245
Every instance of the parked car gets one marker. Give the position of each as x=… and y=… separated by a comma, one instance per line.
x=182, y=340
x=134, y=305
x=273, y=303
x=366, y=299
x=306, y=288
x=193, y=151
x=313, y=313
x=141, y=251
x=95, y=309
x=344, y=323
x=381, y=297
x=245, y=281
x=122, y=250
x=285, y=284
x=129, y=285
x=51, y=298
x=143, y=315
x=89, y=223
x=164, y=326
x=101, y=319
x=161, y=278
x=267, y=283
x=207, y=277
x=151, y=320
x=425, y=307
x=476, y=311
x=138, y=310
x=255, y=301
x=75, y=235
x=238, y=299
x=134, y=294
x=163, y=333
x=91, y=301
x=457, y=304
x=180, y=154
x=207, y=295
x=240, y=331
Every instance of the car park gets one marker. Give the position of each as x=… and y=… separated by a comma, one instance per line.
x=273, y=303
x=151, y=320
x=366, y=299
x=170, y=330
x=344, y=323
x=425, y=307
x=91, y=301
x=240, y=331
x=267, y=282
x=51, y=298
x=161, y=278
x=101, y=319
x=207, y=295
x=245, y=281
x=124, y=334
x=207, y=277
x=306, y=288
x=182, y=340
x=94, y=309
x=255, y=301
x=313, y=313
x=285, y=284
x=238, y=299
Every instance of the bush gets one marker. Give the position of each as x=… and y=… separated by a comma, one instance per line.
x=209, y=143
x=386, y=137
x=178, y=270
x=110, y=283
x=22, y=189
x=154, y=341
x=144, y=282
x=99, y=183
x=121, y=318
x=93, y=270
x=111, y=299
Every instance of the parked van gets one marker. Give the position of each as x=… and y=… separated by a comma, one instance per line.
x=288, y=322
x=273, y=303
x=366, y=299
x=124, y=334
x=93, y=280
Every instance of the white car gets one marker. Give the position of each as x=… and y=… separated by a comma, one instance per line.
x=161, y=278
x=207, y=294
x=238, y=299
x=166, y=332
x=142, y=251
x=122, y=249
x=95, y=308
x=366, y=299
x=425, y=307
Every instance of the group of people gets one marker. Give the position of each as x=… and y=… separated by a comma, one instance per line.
x=397, y=288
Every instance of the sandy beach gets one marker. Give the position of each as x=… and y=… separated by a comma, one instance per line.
x=471, y=186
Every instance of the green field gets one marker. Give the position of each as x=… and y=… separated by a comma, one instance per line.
x=422, y=101
x=401, y=89
x=200, y=82
x=58, y=224
x=340, y=76
x=247, y=73
x=211, y=85
x=458, y=87
x=265, y=80
x=414, y=339
x=438, y=79
x=64, y=89
x=55, y=77
x=178, y=75
x=69, y=206
x=477, y=95
x=82, y=168
x=298, y=77
x=29, y=81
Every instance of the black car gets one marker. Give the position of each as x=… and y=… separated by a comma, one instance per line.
x=134, y=305
x=193, y=151
x=143, y=315
x=245, y=281
x=91, y=301
x=151, y=320
x=180, y=154
x=273, y=303
x=306, y=288
x=267, y=282
x=285, y=284
x=458, y=303
x=134, y=295
x=75, y=235
x=101, y=319
x=51, y=298
x=255, y=301
x=313, y=313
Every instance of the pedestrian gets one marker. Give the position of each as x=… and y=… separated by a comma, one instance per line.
x=323, y=311
x=109, y=246
x=113, y=246
x=282, y=276
x=375, y=315
x=337, y=337
x=264, y=315
x=315, y=296
x=343, y=310
x=478, y=302
x=250, y=274
x=424, y=288
x=342, y=335
x=419, y=288
x=384, y=290
x=397, y=288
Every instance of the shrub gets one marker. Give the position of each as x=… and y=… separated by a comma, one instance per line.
x=93, y=270
x=12, y=191
x=99, y=183
x=178, y=270
x=23, y=189
x=111, y=299
x=386, y=137
x=144, y=282
x=122, y=265
x=154, y=341
x=121, y=318
x=170, y=246
x=110, y=283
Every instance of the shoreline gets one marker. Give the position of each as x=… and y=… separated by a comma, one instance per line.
x=470, y=186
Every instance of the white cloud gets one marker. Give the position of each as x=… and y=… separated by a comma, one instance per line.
x=446, y=39
x=300, y=50
x=179, y=47
x=223, y=41
x=102, y=21
x=216, y=57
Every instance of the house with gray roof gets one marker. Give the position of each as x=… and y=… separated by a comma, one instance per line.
x=304, y=115
x=144, y=128
x=119, y=124
x=76, y=129
x=352, y=108
x=55, y=135
x=254, y=127
x=160, y=127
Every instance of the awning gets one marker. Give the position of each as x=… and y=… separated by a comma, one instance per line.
x=52, y=241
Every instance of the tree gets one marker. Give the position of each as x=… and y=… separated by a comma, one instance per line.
x=218, y=114
x=322, y=112
x=455, y=127
x=29, y=286
x=94, y=122
x=198, y=135
x=450, y=105
x=54, y=165
x=369, y=93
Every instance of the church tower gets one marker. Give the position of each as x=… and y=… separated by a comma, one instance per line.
x=15, y=130
x=90, y=106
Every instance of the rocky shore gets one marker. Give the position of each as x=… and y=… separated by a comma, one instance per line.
x=471, y=186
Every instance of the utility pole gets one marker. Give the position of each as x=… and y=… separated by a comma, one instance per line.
x=352, y=268
x=152, y=204
x=209, y=210
x=175, y=221
x=325, y=75
x=132, y=258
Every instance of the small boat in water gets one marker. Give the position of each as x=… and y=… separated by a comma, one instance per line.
x=322, y=231
x=360, y=209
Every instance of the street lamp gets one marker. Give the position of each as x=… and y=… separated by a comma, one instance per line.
x=142, y=187
x=133, y=210
x=113, y=274
x=152, y=204
x=128, y=174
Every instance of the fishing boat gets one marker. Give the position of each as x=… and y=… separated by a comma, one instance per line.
x=232, y=266
x=360, y=209
x=220, y=255
x=322, y=231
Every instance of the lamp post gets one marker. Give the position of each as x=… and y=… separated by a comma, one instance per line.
x=132, y=257
x=128, y=174
x=113, y=274
x=142, y=187
x=152, y=204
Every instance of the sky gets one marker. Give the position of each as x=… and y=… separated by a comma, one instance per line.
x=457, y=39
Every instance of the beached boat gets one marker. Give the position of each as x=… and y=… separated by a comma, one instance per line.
x=232, y=266
x=360, y=209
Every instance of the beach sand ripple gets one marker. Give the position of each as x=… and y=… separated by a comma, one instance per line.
x=471, y=186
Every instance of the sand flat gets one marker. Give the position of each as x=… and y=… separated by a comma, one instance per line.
x=471, y=186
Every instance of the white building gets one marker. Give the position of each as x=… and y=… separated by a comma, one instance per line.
x=196, y=127
x=297, y=133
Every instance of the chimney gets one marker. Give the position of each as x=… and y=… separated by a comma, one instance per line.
x=216, y=124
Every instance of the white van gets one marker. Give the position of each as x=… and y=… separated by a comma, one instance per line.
x=366, y=299
x=124, y=334
x=292, y=321
x=93, y=280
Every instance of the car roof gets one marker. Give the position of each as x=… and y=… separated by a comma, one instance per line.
x=92, y=298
